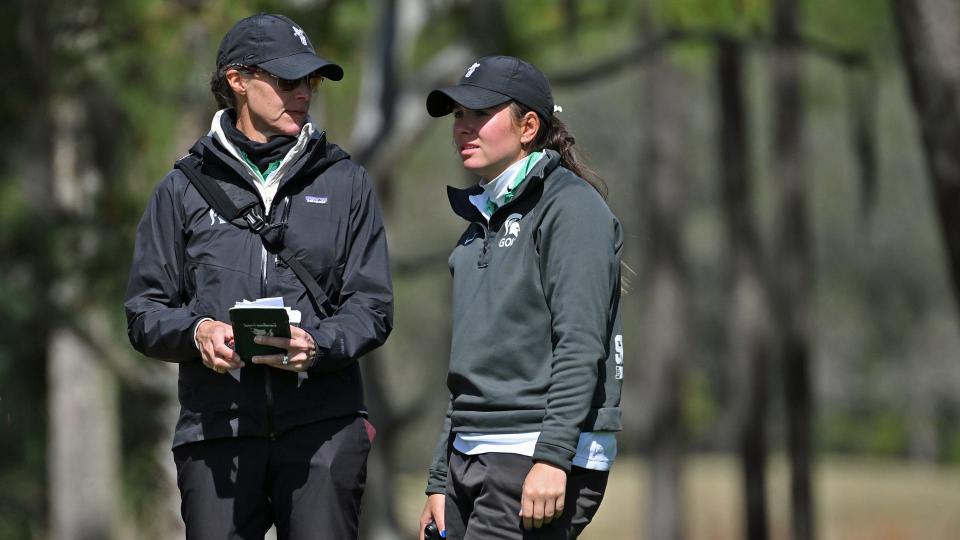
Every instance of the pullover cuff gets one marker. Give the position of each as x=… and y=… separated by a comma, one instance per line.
x=436, y=483
x=554, y=454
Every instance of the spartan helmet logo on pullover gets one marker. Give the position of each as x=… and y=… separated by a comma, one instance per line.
x=511, y=230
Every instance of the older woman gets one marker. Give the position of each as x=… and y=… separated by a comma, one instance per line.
x=277, y=438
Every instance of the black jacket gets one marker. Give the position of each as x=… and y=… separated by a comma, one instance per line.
x=189, y=264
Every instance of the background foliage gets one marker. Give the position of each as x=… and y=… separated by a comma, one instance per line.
x=113, y=91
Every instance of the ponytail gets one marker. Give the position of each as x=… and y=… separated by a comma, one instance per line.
x=557, y=138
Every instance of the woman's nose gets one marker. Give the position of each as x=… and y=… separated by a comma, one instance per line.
x=460, y=125
x=302, y=91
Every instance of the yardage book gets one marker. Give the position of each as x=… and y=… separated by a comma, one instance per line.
x=261, y=317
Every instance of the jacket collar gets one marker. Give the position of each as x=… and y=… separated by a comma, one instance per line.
x=315, y=156
x=460, y=198
x=307, y=135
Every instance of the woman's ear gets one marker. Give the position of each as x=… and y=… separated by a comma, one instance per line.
x=529, y=127
x=236, y=81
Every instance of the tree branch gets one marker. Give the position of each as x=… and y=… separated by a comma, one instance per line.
x=641, y=51
x=411, y=120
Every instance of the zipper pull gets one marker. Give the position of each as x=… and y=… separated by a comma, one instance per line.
x=482, y=261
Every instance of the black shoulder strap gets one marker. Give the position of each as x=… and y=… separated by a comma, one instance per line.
x=217, y=198
x=191, y=166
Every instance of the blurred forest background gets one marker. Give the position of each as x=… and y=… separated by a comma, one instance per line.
x=788, y=177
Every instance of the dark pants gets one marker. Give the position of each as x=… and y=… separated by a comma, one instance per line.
x=483, y=499
x=308, y=482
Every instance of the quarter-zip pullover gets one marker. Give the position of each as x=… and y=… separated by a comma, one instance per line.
x=536, y=343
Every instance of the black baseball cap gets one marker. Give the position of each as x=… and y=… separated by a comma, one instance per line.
x=493, y=80
x=275, y=44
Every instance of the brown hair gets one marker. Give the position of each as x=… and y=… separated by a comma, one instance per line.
x=557, y=138
x=221, y=90
x=220, y=87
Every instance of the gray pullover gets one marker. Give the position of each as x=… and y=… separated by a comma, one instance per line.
x=536, y=342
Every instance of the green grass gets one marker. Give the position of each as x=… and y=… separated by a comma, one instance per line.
x=856, y=499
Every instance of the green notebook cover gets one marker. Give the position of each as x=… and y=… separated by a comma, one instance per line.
x=258, y=321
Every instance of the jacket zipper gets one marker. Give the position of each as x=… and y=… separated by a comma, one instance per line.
x=484, y=260
x=264, y=257
x=489, y=233
x=267, y=377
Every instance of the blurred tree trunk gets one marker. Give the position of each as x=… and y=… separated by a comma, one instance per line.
x=390, y=120
x=489, y=30
x=664, y=286
x=664, y=295
x=378, y=86
x=380, y=521
x=793, y=263
x=929, y=35
x=390, y=115
x=84, y=457
x=373, y=124
x=749, y=342
x=82, y=449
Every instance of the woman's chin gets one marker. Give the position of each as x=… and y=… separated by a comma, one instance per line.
x=293, y=124
x=472, y=168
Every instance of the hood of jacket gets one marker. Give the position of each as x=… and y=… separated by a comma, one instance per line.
x=310, y=156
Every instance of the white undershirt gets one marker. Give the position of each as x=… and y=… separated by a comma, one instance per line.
x=496, y=190
x=596, y=450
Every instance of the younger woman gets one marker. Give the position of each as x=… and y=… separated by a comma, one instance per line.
x=536, y=361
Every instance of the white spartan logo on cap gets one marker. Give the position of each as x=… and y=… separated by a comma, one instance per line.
x=471, y=69
x=299, y=33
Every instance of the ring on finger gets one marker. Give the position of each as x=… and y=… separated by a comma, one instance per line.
x=286, y=360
